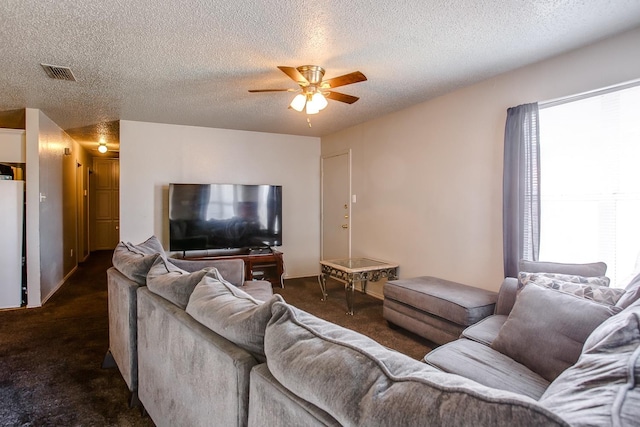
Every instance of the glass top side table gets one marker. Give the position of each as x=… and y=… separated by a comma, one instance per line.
x=351, y=270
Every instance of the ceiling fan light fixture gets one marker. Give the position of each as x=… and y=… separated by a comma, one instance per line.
x=316, y=92
x=311, y=107
x=298, y=102
x=319, y=101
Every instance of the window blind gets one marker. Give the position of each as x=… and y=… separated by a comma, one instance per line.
x=590, y=182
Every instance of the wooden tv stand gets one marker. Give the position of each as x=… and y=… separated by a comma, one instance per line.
x=258, y=266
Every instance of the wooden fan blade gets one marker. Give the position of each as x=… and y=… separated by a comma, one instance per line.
x=272, y=90
x=347, y=79
x=294, y=75
x=337, y=96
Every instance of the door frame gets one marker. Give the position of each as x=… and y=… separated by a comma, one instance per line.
x=350, y=210
x=81, y=219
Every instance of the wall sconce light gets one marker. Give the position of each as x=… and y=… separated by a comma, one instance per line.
x=102, y=147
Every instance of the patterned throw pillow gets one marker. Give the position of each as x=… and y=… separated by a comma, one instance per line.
x=524, y=277
x=592, y=288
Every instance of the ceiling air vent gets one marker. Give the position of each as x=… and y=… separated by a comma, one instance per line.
x=59, y=73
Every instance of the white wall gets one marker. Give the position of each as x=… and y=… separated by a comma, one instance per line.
x=50, y=221
x=32, y=179
x=12, y=146
x=153, y=155
x=428, y=179
x=58, y=233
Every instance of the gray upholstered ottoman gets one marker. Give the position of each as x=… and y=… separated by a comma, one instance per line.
x=436, y=309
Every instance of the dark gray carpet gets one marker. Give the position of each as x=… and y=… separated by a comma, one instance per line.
x=305, y=294
x=50, y=357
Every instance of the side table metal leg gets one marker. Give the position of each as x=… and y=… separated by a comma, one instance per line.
x=323, y=286
x=349, y=290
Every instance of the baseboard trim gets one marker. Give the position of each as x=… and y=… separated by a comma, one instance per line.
x=57, y=287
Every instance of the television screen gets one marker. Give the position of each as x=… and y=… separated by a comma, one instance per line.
x=223, y=216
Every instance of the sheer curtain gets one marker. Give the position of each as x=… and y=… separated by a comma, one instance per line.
x=521, y=192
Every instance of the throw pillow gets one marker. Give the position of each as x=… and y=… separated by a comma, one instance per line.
x=602, y=387
x=546, y=329
x=174, y=284
x=232, y=313
x=586, y=270
x=524, y=277
x=632, y=293
x=593, y=288
x=150, y=246
x=134, y=261
x=231, y=269
x=359, y=382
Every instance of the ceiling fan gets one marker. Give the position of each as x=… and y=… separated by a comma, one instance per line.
x=314, y=90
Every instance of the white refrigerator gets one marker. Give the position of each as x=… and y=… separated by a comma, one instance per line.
x=11, y=226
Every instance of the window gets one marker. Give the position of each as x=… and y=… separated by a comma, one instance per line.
x=590, y=182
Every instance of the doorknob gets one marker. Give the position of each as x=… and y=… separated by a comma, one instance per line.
x=345, y=226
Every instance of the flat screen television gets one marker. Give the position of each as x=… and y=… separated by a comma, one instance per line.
x=224, y=216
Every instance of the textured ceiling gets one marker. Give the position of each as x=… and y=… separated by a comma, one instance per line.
x=192, y=62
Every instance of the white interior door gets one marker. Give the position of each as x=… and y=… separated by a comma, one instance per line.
x=336, y=206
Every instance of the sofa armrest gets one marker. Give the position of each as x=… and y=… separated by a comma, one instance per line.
x=123, y=340
x=231, y=269
x=506, y=296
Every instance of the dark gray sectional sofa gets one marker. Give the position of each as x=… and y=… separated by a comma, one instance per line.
x=231, y=359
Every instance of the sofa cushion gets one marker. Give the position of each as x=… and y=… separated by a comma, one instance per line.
x=231, y=269
x=359, y=382
x=586, y=270
x=458, y=303
x=134, y=261
x=593, y=288
x=232, y=313
x=632, y=293
x=174, y=284
x=602, y=387
x=258, y=289
x=150, y=246
x=272, y=404
x=486, y=330
x=546, y=329
x=489, y=367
